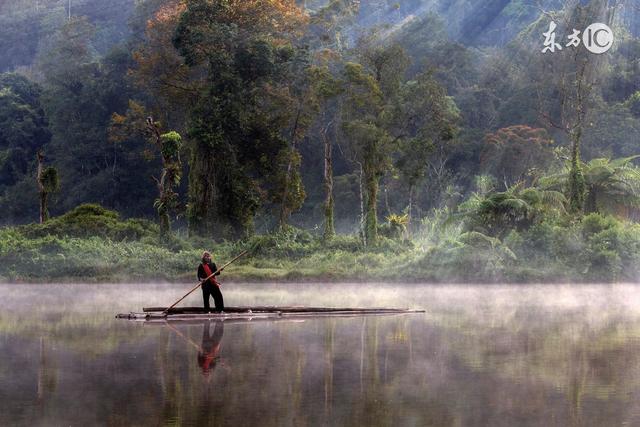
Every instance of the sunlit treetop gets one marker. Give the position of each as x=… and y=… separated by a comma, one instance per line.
x=272, y=16
x=167, y=13
x=278, y=20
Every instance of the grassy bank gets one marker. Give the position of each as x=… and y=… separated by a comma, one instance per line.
x=91, y=244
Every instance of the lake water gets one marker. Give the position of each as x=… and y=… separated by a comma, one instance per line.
x=480, y=356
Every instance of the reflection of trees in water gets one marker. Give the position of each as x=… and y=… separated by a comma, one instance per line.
x=308, y=373
x=288, y=374
x=47, y=375
x=578, y=371
x=328, y=367
x=469, y=367
x=570, y=365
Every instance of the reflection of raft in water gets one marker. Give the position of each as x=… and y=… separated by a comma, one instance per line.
x=192, y=313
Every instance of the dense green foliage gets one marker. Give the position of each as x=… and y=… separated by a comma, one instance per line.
x=92, y=244
x=89, y=221
x=23, y=130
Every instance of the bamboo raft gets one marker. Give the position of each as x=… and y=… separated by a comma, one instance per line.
x=247, y=313
x=259, y=312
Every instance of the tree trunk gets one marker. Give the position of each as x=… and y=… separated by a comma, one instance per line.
x=283, y=219
x=329, y=228
x=44, y=214
x=167, y=180
x=591, y=201
x=410, y=207
x=386, y=199
x=371, y=213
x=163, y=211
x=285, y=212
x=203, y=192
x=577, y=185
x=361, y=194
x=44, y=210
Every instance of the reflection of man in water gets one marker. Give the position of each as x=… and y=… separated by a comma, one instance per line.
x=208, y=354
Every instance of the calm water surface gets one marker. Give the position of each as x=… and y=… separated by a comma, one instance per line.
x=480, y=356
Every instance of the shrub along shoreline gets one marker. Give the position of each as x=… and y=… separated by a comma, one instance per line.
x=91, y=244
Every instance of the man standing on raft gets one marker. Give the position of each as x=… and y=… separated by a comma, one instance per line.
x=210, y=287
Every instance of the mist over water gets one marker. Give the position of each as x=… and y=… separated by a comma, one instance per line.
x=480, y=355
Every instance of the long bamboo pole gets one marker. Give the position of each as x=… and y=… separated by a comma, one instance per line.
x=181, y=335
x=243, y=253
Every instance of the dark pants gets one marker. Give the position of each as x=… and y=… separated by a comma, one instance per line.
x=209, y=289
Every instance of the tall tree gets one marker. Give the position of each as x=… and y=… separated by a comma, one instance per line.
x=424, y=120
x=81, y=91
x=236, y=127
x=327, y=43
x=134, y=124
x=23, y=131
x=326, y=88
x=370, y=88
x=384, y=111
x=569, y=85
x=48, y=183
x=368, y=139
x=302, y=103
x=169, y=145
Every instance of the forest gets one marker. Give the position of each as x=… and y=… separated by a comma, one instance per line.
x=392, y=140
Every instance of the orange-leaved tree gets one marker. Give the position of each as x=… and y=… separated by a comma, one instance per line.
x=516, y=153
